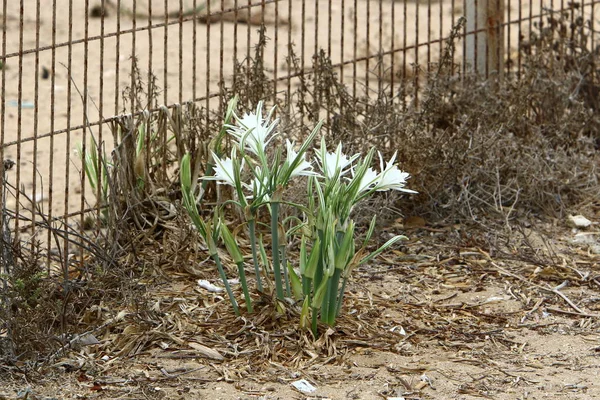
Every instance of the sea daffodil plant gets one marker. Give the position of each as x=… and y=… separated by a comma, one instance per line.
x=260, y=174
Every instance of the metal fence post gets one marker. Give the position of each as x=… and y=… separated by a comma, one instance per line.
x=485, y=37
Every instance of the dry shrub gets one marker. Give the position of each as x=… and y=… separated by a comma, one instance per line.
x=531, y=142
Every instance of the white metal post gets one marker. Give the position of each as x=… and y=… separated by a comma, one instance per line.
x=485, y=34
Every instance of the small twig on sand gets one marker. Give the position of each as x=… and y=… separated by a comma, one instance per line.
x=555, y=290
x=580, y=314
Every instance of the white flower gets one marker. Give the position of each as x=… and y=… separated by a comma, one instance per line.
x=369, y=180
x=253, y=130
x=303, y=167
x=334, y=165
x=224, y=169
x=391, y=177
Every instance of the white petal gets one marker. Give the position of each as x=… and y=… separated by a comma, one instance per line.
x=369, y=180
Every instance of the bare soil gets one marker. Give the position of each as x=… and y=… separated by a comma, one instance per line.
x=438, y=318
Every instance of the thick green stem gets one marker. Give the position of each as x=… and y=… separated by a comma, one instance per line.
x=244, y=284
x=275, y=247
x=252, y=229
x=329, y=309
x=227, y=287
x=341, y=296
x=315, y=318
x=306, y=286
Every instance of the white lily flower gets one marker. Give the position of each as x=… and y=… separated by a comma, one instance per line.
x=224, y=169
x=253, y=130
x=369, y=180
x=335, y=165
x=303, y=168
x=391, y=177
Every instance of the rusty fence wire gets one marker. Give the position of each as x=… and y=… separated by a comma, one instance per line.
x=66, y=64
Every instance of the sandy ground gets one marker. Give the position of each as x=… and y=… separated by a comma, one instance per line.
x=450, y=323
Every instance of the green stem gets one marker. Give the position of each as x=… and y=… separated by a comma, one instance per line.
x=227, y=287
x=341, y=296
x=288, y=289
x=247, y=297
x=275, y=248
x=306, y=286
x=252, y=229
x=316, y=282
x=331, y=297
x=315, y=318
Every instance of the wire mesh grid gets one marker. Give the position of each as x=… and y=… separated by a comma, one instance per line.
x=66, y=65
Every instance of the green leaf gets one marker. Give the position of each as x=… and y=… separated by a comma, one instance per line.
x=231, y=244
x=304, y=314
x=185, y=172
x=345, y=251
x=319, y=296
x=370, y=231
x=313, y=261
x=295, y=282
x=382, y=249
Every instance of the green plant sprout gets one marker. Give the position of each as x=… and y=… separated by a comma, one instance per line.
x=96, y=170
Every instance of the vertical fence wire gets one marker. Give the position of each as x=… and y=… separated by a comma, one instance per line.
x=65, y=258
x=428, y=36
x=275, y=52
x=195, y=45
x=150, y=87
x=248, y=45
x=380, y=50
x=329, y=20
x=117, y=63
x=453, y=19
x=180, y=54
x=207, y=66
x=441, y=30
x=593, y=43
x=368, y=44
x=302, y=51
x=509, y=53
x=289, y=61
x=404, y=38
x=417, y=66
x=166, y=52
x=221, y=54
x=392, y=67
x=355, y=49
x=84, y=100
x=19, y=113
x=3, y=114
x=100, y=139
x=52, y=119
x=36, y=103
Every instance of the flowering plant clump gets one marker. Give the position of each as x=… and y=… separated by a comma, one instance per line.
x=259, y=175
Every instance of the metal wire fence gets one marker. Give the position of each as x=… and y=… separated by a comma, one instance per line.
x=67, y=65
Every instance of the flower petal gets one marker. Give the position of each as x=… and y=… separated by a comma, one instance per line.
x=302, y=166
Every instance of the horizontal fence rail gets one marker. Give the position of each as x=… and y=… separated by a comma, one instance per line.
x=68, y=67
